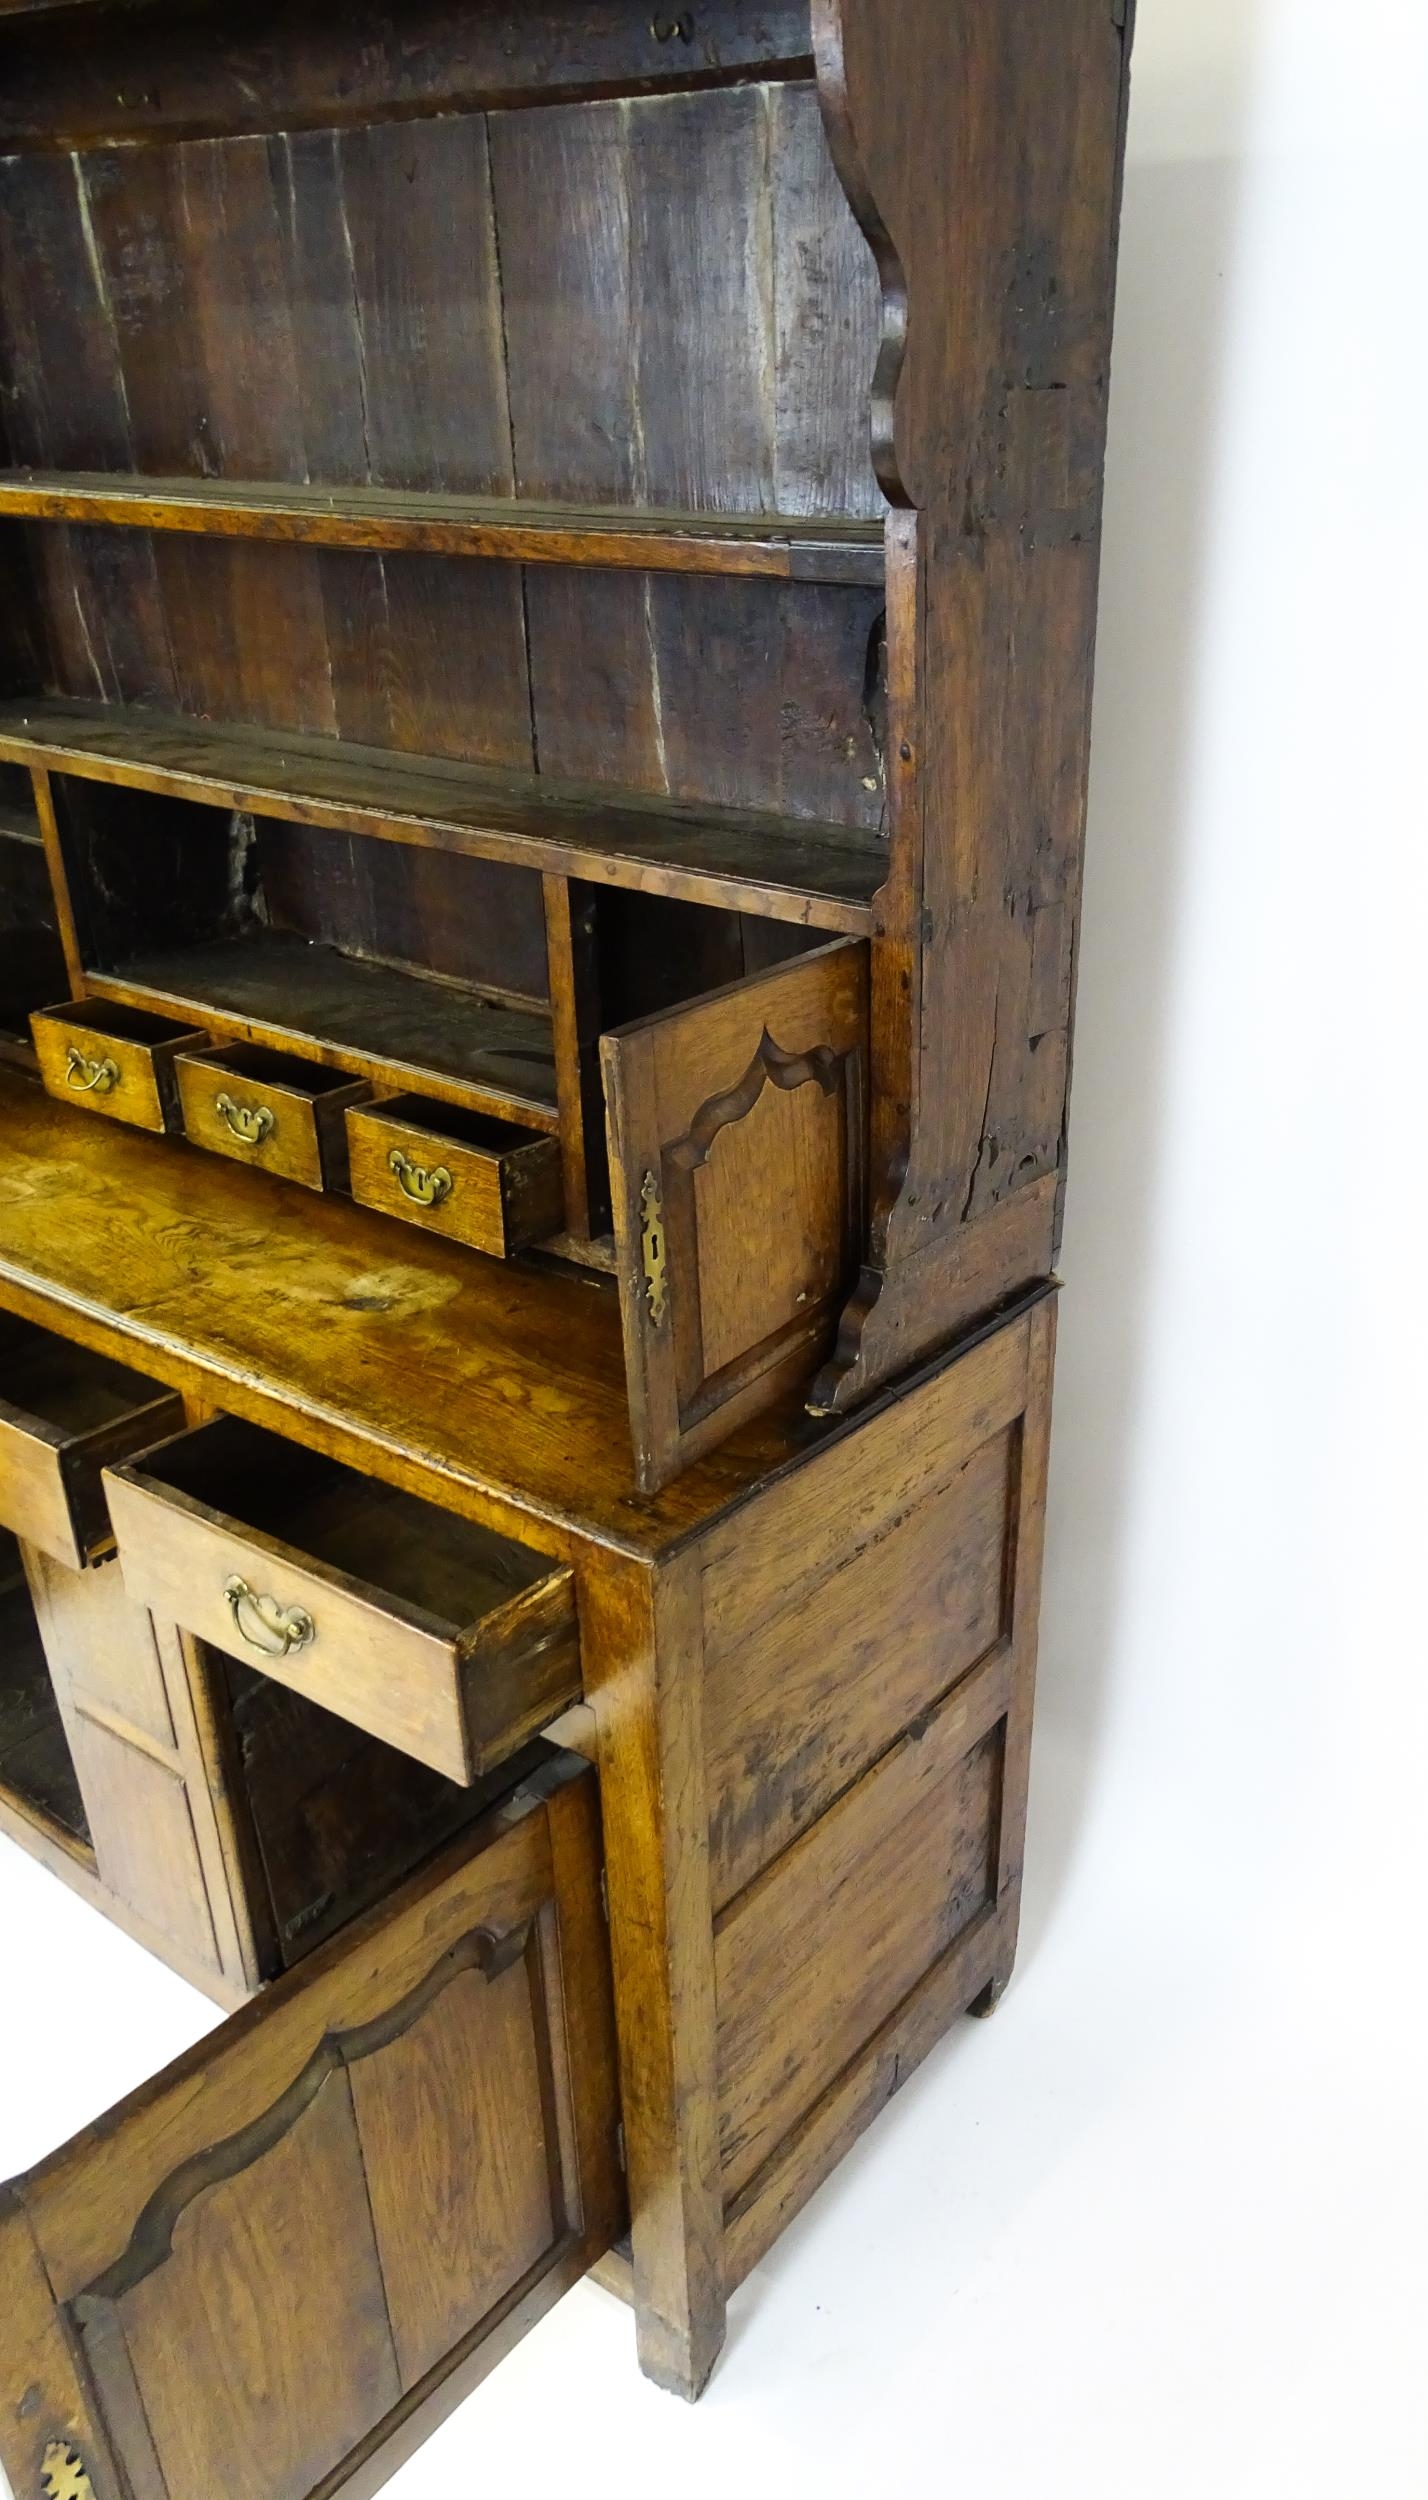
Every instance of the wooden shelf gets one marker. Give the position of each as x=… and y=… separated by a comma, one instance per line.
x=773, y=546
x=324, y=1321
x=20, y=824
x=399, y=1029
x=822, y=876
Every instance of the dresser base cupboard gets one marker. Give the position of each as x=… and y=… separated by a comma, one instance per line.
x=549, y=563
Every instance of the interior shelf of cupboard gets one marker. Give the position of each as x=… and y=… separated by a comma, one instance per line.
x=400, y=1029
x=821, y=876
x=298, y=1316
x=389, y=520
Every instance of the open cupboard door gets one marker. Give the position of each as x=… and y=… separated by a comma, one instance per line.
x=270, y=2273
x=738, y=1161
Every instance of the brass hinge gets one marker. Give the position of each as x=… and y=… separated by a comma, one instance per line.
x=652, y=1249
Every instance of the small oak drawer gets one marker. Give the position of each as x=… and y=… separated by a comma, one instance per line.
x=118, y=1060
x=436, y=1635
x=475, y=1179
x=64, y=1414
x=260, y=1106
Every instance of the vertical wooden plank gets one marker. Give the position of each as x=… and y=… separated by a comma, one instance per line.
x=66, y=405
x=321, y=290
x=595, y=691
x=457, y=2163
x=575, y=1015
x=828, y=318
x=701, y=248
x=641, y=1635
x=59, y=881
x=422, y=233
x=563, y=220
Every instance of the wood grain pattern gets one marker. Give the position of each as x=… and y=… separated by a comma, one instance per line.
x=823, y=1949
x=116, y=1060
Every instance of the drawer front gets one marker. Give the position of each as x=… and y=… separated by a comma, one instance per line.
x=236, y=1105
x=277, y=2266
x=461, y=1698
x=51, y=1462
x=105, y=1060
x=494, y=1188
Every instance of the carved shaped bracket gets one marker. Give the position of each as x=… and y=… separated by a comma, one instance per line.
x=769, y=1066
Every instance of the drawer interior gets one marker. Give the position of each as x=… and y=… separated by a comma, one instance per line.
x=433, y=1564
x=64, y=1385
x=36, y=1766
x=450, y=1124
x=256, y=1066
x=122, y=1024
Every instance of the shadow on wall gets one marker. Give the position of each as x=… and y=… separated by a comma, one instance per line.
x=1177, y=268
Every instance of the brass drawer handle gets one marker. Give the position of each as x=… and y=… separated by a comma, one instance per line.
x=90, y=1076
x=424, y=1188
x=250, y=1123
x=280, y=1629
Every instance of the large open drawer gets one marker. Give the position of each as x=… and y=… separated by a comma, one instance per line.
x=64, y=1413
x=445, y=1640
x=270, y=2272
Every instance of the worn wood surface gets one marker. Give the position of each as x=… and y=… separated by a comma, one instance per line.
x=776, y=546
x=997, y=254
x=833, y=1620
x=736, y=1130
x=818, y=874
x=641, y=1636
x=244, y=68
x=281, y=2166
x=449, y=1643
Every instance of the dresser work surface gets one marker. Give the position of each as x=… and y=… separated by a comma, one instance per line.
x=550, y=560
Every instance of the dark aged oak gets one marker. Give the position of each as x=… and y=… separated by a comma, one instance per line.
x=549, y=570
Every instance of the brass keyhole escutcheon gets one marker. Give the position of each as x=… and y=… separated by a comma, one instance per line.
x=264, y=1623
x=652, y=1249
x=90, y=1076
x=64, y=2474
x=424, y=1188
x=250, y=1123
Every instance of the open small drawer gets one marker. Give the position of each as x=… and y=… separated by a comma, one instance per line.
x=64, y=1414
x=440, y=1637
x=118, y=1060
x=265, y=1107
x=478, y=1180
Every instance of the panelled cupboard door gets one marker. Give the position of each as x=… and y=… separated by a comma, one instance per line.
x=270, y=2274
x=738, y=1156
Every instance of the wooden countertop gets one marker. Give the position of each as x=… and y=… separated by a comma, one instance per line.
x=398, y=1353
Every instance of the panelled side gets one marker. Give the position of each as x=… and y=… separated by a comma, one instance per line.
x=869, y=1629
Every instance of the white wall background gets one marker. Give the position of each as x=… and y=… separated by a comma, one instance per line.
x=1159, y=2231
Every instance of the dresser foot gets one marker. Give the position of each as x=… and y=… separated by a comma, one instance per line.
x=991, y=1996
x=677, y=2359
